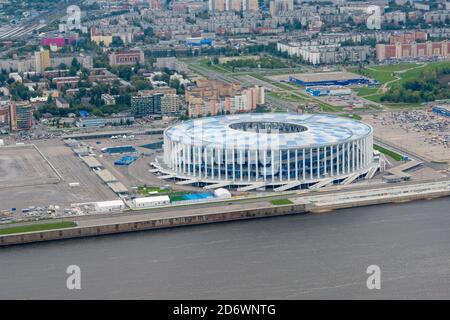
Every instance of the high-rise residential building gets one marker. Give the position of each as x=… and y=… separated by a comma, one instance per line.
x=281, y=6
x=250, y=5
x=233, y=5
x=217, y=5
x=42, y=61
x=20, y=116
x=411, y=51
x=170, y=104
x=144, y=105
x=213, y=97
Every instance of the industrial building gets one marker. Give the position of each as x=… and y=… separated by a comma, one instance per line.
x=109, y=206
x=317, y=92
x=269, y=148
x=329, y=79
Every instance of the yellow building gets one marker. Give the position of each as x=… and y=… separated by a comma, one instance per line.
x=41, y=61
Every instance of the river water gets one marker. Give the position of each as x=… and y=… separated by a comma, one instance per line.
x=298, y=257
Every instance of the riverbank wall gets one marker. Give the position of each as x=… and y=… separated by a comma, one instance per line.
x=150, y=224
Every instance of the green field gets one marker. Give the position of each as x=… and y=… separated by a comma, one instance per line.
x=146, y=191
x=390, y=153
x=173, y=195
x=280, y=202
x=288, y=97
x=275, y=83
x=384, y=73
x=38, y=227
x=365, y=91
x=215, y=67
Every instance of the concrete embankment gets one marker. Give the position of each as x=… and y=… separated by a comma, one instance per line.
x=149, y=224
x=342, y=204
x=171, y=218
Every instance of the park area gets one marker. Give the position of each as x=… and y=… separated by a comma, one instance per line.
x=401, y=83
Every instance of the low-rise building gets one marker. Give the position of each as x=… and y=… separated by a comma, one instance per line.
x=61, y=103
x=130, y=57
x=149, y=202
x=108, y=99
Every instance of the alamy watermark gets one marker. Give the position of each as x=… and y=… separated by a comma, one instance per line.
x=73, y=281
x=374, y=280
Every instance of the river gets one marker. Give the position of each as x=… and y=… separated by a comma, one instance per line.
x=297, y=257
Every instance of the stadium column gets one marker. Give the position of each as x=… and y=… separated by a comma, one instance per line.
x=288, y=165
x=199, y=162
x=296, y=164
x=241, y=164
x=189, y=160
x=193, y=161
x=353, y=155
x=318, y=162
x=233, y=163
x=226, y=163
x=311, y=163
x=177, y=158
x=331, y=160
x=256, y=165
x=264, y=164
x=348, y=157
x=212, y=163
x=248, y=164
x=337, y=160
x=365, y=152
x=184, y=158
x=219, y=161
x=303, y=165
x=357, y=154
x=272, y=164
x=205, y=158
x=325, y=171
x=281, y=165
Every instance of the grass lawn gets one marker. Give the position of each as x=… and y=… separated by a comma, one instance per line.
x=215, y=67
x=280, y=202
x=385, y=73
x=288, y=97
x=365, y=91
x=390, y=153
x=415, y=73
x=275, y=83
x=173, y=195
x=151, y=190
x=38, y=227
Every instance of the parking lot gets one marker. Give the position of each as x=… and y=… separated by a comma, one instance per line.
x=39, y=186
x=420, y=132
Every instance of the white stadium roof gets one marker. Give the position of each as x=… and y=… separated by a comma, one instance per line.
x=215, y=132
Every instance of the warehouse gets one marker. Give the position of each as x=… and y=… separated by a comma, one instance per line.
x=329, y=79
x=109, y=206
x=317, y=92
x=149, y=202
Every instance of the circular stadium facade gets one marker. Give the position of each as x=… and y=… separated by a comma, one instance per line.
x=273, y=148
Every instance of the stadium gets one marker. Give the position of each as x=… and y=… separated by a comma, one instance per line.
x=268, y=150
